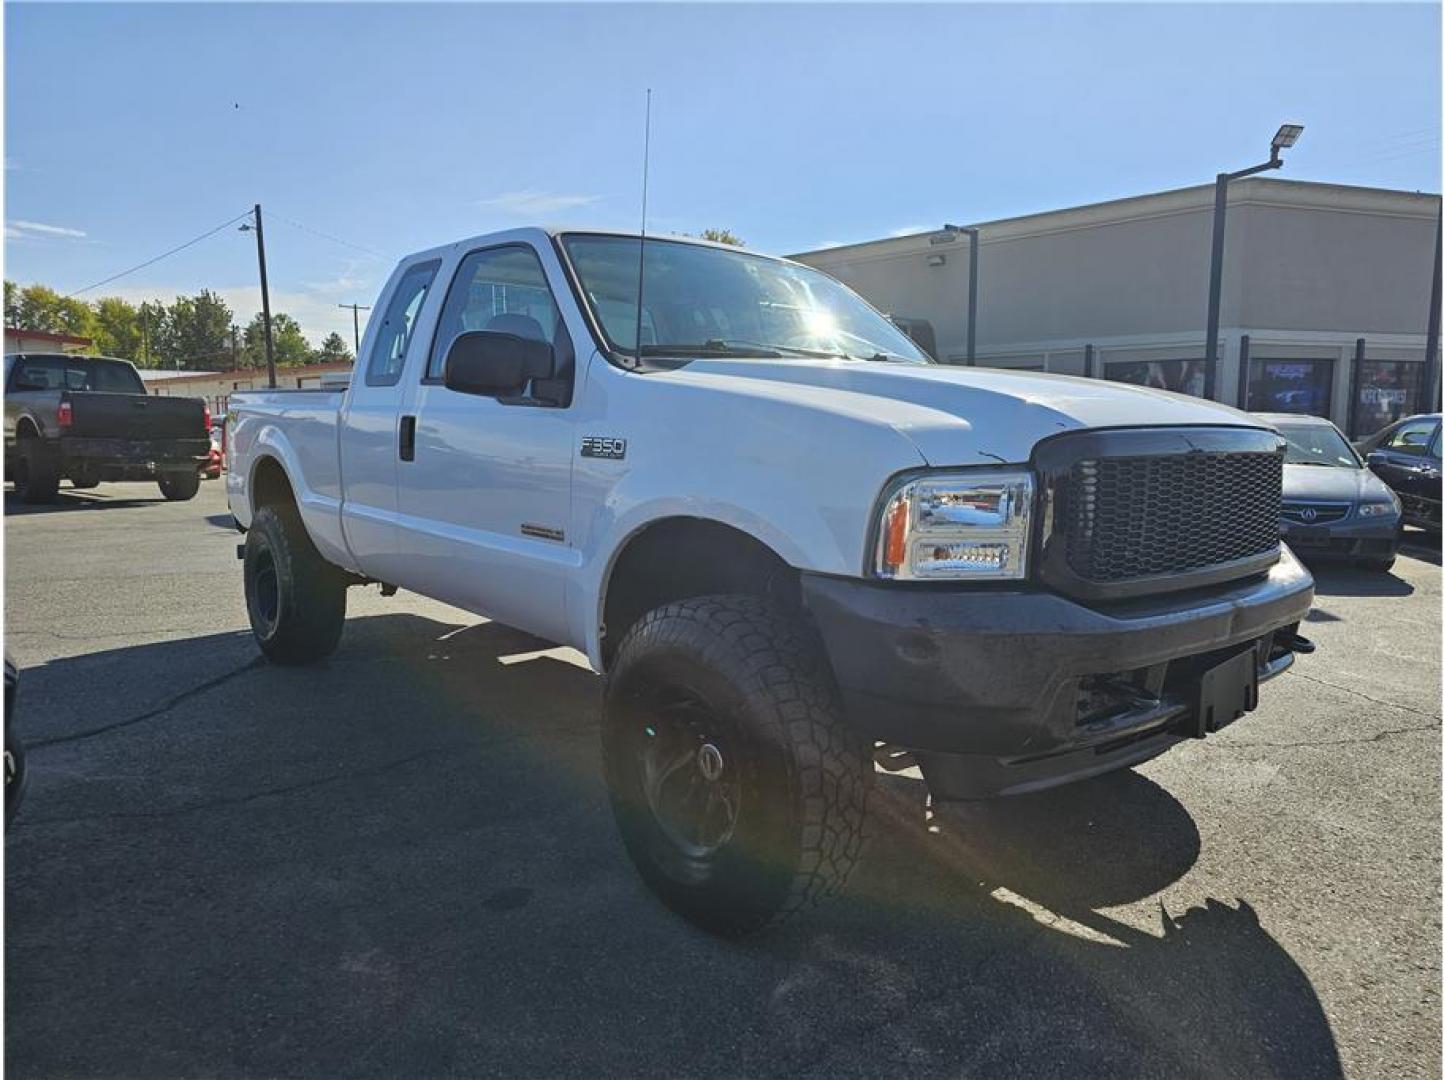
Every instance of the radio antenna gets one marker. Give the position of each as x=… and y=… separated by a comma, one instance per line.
x=642, y=241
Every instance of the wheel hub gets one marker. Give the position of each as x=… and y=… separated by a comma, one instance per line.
x=709, y=762
x=692, y=793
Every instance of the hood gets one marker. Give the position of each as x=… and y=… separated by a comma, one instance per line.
x=963, y=416
x=1315, y=483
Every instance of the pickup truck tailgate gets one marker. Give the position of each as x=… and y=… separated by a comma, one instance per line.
x=134, y=416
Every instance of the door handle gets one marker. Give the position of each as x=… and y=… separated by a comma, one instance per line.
x=408, y=438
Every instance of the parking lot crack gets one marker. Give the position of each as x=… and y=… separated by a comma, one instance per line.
x=1359, y=693
x=241, y=800
x=1378, y=736
x=149, y=714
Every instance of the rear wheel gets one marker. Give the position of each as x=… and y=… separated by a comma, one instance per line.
x=180, y=486
x=1383, y=566
x=738, y=788
x=36, y=470
x=296, y=599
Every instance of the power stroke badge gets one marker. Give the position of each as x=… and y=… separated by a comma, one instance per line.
x=603, y=446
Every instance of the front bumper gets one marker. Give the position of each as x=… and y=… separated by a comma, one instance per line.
x=998, y=691
x=1353, y=538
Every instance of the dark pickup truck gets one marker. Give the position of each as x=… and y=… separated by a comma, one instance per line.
x=88, y=418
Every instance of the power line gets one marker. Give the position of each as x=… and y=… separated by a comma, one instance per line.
x=327, y=236
x=162, y=255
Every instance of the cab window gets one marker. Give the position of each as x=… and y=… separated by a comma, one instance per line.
x=388, y=352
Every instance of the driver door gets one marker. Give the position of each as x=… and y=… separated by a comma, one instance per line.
x=484, y=493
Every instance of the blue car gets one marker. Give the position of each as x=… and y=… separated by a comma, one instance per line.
x=1333, y=506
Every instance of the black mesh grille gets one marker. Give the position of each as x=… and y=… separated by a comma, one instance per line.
x=1141, y=517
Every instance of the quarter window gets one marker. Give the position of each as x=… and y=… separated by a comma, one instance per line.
x=503, y=289
x=388, y=352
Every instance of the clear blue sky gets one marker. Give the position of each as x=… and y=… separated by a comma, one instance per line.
x=398, y=127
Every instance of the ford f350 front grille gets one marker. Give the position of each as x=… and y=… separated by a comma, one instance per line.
x=1154, y=510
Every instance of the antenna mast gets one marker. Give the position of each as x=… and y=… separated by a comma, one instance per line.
x=642, y=241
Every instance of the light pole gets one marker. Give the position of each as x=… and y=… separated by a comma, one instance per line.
x=265, y=295
x=1287, y=135
x=971, y=233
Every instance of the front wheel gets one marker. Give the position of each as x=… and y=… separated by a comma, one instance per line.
x=295, y=598
x=738, y=787
x=179, y=486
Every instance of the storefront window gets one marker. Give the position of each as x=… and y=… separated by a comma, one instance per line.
x=1180, y=376
x=1290, y=386
x=1388, y=389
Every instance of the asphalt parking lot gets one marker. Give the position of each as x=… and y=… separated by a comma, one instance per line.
x=401, y=863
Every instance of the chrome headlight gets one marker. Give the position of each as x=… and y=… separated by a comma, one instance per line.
x=1377, y=509
x=965, y=526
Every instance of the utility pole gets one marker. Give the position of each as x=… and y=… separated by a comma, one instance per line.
x=235, y=353
x=356, y=323
x=145, y=333
x=265, y=296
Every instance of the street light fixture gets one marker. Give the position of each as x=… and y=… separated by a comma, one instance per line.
x=1286, y=136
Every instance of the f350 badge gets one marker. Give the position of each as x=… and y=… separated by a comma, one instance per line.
x=603, y=446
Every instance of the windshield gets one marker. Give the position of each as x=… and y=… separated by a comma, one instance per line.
x=705, y=301
x=1314, y=444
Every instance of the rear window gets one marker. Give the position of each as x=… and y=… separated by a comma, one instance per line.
x=74, y=373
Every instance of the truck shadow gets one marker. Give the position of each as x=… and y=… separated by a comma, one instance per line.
x=401, y=862
x=69, y=499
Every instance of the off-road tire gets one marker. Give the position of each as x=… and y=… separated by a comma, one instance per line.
x=179, y=486
x=1382, y=566
x=84, y=483
x=803, y=774
x=35, y=470
x=296, y=600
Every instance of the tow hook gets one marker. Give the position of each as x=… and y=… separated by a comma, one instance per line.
x=241, y=552
x=1302, y=645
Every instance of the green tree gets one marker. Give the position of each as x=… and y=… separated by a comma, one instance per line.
x=154, y=323
x=723, y=236
x=333, y=350
x=39, y=307
x=288, y=343
x=117, y=328
x=196, y=333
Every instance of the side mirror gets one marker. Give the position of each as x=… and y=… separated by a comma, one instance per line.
x=489, y=363
x=1375, y=458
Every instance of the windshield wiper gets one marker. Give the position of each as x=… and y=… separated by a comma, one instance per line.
x=709, y=348
x=737, y=347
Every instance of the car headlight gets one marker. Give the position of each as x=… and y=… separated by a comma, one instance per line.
x=1379, y=509
x=967, y=526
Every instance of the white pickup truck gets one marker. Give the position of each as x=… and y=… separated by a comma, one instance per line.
x=785, y=536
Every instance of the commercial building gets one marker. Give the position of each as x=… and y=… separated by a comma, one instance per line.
x=19, y=340
x=216, y=386
x=1325, y=304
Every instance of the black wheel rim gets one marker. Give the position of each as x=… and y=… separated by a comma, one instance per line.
x=265, y=592
x=690, y=775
